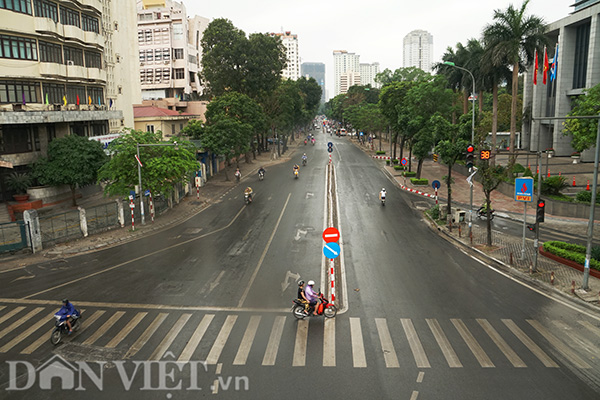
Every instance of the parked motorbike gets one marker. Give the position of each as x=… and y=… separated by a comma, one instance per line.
x=482, y=213
x=301, y=310
x=261, y=176
x=61, y=328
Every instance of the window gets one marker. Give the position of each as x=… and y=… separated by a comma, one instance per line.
x=178, y=73
x=150, y=128
x=16, y=92
x=22, y=6
x=192, y=59
x=166, y=54
x=98, y=128
x=76, y=90
x=172, y=129
x=69, y=17
x=582, y=45
x=18, y=47
x=142, y=56
x=17, y=138
x=46, y=9
x=89, y=23
x=54, y=93
x=79, y=129
x=177, y=31
x=97, y=94
x=50, y=132
x=50, y=52
x=93, y=59
x=36, y=139
x=149, y=55
x=158, y=55
x=192, y=77
x=178, y=54
x=73, y=54
x=145, y=17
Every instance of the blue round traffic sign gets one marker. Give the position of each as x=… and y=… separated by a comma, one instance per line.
x=436, y=184
x=330, y=149
x=330, y=144
x=331, y=250
x=403, y=161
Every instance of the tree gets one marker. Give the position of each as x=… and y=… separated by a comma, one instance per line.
x=491, y=177
x=72, y=160
x=584, y=131
x=387, y=77
x=390, y=99
x=164, y=166
x=512, y=39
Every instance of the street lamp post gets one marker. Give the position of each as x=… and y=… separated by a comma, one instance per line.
x=472, y=140
x=138, y=145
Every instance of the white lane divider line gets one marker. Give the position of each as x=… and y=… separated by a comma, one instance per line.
x=300, y=345
x=420, y=377
x=329, y=343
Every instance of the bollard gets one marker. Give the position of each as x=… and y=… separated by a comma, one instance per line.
x=548, y=172
x=573, y=287
x=573, y=180
x=552, y=277
x=531, y=267
x=459, y=230
x=471, y=237
x=511, y=258
x=588, y=186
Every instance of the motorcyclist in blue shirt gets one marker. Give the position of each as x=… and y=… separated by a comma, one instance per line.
x=66, y=311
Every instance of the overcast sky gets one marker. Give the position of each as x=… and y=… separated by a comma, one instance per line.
x=374, y=29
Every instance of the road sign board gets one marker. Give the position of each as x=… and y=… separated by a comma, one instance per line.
x=524, y=189
x=132, y=193
x=404, y=161
x=361, y=134
x=330, y=149
x=331, y=250
x=147, y=192
x=436, y=184
x=330, y=144
x=331, y=235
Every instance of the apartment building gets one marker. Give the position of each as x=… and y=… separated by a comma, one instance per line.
x=64, y=71
x=290, y=43
x=343, y=62
x=317, y=72
x=418, y=50
x=368, y=73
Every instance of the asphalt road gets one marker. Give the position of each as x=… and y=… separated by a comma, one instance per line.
x=424, y=320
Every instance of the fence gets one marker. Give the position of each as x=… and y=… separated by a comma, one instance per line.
x=102, y=218
x=13, y=236
x=59, y=228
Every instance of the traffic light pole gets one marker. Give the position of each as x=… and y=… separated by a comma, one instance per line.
x=536, y=242
x=590, y=231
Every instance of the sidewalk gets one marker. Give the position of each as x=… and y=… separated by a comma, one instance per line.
x=506, y=248
x=187, y=208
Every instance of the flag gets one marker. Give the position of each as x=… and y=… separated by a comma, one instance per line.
x=554, y=65
x=65, y=100
x=47, y=99
x=545, y=66
x=23, y=97
x=89, y=100
x=110, y=103
x=99, y=103
x=535, y=69
x=77, y=99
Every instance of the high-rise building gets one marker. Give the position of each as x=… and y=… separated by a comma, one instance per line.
x=343, y=62
x=368, y=72
x=316, y=71
x=169, y=51
x=290, y=42
x=349, y=79
x=418, y=50
x=65, y=70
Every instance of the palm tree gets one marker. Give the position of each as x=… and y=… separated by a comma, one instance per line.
x=512, y=39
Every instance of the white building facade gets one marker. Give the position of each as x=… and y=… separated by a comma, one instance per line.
x=418, y=50
x=290, y=43
x=343, y=62
x=349, y=79
x=368, y=73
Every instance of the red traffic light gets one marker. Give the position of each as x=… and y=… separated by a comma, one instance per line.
x=470, y=148
x=541, y=204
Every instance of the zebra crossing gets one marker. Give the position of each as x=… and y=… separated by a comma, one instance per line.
x=278, y=339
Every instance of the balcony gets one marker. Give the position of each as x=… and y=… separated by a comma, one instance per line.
x=52, y=69
x=94, y=38
x=96, y=74
x=46, y=25
x=73, y=32
x=97, y=4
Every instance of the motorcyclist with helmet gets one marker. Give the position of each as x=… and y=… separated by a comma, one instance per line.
x=311, y=296
x=66, y=312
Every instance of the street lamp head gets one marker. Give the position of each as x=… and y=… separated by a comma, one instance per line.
x=450, y=63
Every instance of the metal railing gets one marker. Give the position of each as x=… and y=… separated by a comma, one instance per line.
x=102, y=217
x=57, y=228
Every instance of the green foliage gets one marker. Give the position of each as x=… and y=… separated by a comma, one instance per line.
x=395, y=161
x=411, y=74
x=553, y=185
x=164, y=166
x=380, y=152
x=586, y=197
x=518, y=168
x=421, y=181
x=573, y=252
x=560, y=197
x=19, y=182
x=596, y=253
x=72, y=160
x=584, y=131
x=387, y=162
x=398, y=167
x=435, y=212
x=409, y=174
x=527, y=173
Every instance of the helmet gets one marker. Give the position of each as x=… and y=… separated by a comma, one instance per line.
x=300, y=283
x=311, y=283
x=383, y=189
x=65, y=301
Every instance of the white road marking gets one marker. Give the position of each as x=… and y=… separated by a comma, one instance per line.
x=24, y=335
x=530, y=344
x=445, y=346
x=414, y=395
x=160, y=318
x=19, y=323
x=329, y=343
x=126, y=330
x=192, y=344
x=104, y=328
x=358, y=347
x=217, y=348
x=262, y=257
x=242, y=355
x=415, y=344
x=475, y=347
x=274, y=339
x=560, y=346
x=12, y=312
x=170, y=338
x=387, y=346
x=300, y=345
x=420, y=377
x=510, y=354
x=590, y=327
x=216, y=282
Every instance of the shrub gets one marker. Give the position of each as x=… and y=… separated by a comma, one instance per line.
x=554, y=185
x=435, y=213
x=596, y=253
x=380, y=152
x=569, y=251
x=421, y=181
x=527, y=172
x=397, y=167
x=387, y=162
x=395, y=161
x=409, y=174
x=518, y=168
x=586, y=197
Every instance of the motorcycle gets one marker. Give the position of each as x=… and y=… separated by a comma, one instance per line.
x=301, y=310
x=295, y=174
x=313, y=142
x=61, y=328
x=247, y=198
x=304, y=161
x=261, y=176
x=383, y=201
x=482, y=213
x=305, y=142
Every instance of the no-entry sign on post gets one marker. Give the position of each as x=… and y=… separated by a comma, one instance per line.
x=331, y=235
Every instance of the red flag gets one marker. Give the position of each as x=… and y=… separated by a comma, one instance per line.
x=78, y=95
x=545, y=73
x=535, y=69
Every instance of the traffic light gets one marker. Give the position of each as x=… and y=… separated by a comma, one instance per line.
x=435, y=157
x=484, y=155
x=470, y=155
x=541, y=207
